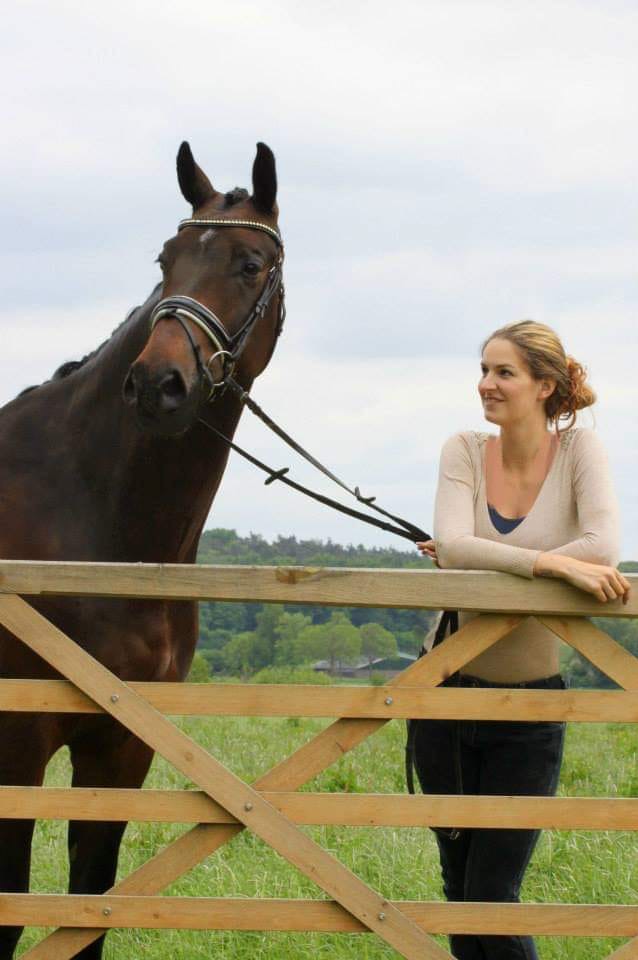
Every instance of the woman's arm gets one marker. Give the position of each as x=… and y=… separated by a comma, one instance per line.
x=596, y=504
x=590, y=561
x=456, y=545
x=604, y=582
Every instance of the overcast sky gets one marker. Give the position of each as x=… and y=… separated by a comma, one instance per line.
x=445, y=167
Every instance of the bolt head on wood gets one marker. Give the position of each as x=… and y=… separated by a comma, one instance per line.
x=382, y=915
x=388, y=701
x=248, y=805
x=114, y=698
x=107, y=911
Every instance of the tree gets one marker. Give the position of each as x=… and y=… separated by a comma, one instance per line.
x=212, y=639
x=199, y=671
x=376, y=641
x=266, y=629
x=245, y=653
x=215, y=660
x=336, y=641
x=222, y=616
x=289, y=651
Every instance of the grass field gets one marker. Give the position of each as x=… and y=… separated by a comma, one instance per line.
x=577, y=867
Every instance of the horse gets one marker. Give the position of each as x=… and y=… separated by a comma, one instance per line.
x=111, y=460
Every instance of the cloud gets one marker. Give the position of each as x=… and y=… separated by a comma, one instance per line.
x=485, y=83
x=426, y=301
x=381, y=426
x=444, y=168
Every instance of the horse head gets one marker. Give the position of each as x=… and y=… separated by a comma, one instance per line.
x=221, y=306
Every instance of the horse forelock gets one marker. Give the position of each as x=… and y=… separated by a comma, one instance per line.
x=235, y=196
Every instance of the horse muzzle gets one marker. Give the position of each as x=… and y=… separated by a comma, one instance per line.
x=163, y=403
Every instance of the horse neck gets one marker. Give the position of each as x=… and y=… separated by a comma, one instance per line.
x=154, y=493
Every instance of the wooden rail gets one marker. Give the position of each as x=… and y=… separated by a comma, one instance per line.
x=329, y=586
x=333, y=809
x=294, y=700
x=205, y=913
x=272, y=808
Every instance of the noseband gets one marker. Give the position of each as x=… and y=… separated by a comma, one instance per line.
x=227, y=347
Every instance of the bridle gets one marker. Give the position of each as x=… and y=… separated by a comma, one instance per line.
x=227, y=347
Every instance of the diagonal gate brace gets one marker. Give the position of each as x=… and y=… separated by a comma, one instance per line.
x=245, y=803
x=628, y=951
x=596, y=646
x=195, y=845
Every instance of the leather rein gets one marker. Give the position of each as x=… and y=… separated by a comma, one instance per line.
x=227, y=348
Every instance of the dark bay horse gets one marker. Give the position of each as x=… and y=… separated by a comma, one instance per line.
x=109, y=461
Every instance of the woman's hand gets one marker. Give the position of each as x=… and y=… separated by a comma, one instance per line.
x=604, y=583
x=428, y=549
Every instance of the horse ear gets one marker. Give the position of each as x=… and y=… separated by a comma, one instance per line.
x=193, y=182
x=264, y=179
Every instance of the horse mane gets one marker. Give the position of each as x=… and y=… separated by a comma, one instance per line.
x=70, y=366
x=233, y=197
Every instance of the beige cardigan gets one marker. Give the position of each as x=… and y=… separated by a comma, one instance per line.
x=575, y=513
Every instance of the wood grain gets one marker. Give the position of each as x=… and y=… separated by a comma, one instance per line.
x=628, y=951
x=203, y=913
x=295, y=700
x=481, y=591
x=356, y=810
x=598, y=647
x=309, y=760
x=217, y=781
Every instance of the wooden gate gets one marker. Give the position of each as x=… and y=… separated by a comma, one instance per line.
x=271, y=807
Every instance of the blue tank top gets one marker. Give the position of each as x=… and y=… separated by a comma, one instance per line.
x=503, y=524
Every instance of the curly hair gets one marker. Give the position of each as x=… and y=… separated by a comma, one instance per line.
x=545, y=357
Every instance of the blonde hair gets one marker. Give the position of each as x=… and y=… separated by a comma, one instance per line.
x=545, y=357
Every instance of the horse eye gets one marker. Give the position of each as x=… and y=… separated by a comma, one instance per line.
x=251, y=268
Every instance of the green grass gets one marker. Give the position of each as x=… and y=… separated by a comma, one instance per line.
x=577, y=867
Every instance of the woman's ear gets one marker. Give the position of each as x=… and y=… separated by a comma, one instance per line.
x=547, y=388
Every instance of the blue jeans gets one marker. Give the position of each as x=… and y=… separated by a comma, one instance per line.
x=501, y=759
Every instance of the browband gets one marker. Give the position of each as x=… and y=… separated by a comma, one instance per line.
x=253, y=224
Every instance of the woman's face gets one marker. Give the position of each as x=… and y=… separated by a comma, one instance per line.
x=507, y=389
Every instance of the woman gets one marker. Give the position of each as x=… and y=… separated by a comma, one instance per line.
x=535, y=502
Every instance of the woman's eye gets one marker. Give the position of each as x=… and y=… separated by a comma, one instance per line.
x=251, y=268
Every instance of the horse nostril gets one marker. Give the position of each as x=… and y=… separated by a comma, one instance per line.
x=172, y=390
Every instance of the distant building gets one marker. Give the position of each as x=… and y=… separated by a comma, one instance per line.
x=385, y=667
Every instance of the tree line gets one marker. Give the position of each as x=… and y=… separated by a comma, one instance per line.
x=241, y=639
x=245, y=639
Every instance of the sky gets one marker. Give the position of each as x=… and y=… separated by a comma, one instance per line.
x=444, y=167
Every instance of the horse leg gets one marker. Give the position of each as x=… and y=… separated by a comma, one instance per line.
x=24, y=754
x=108, y=757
